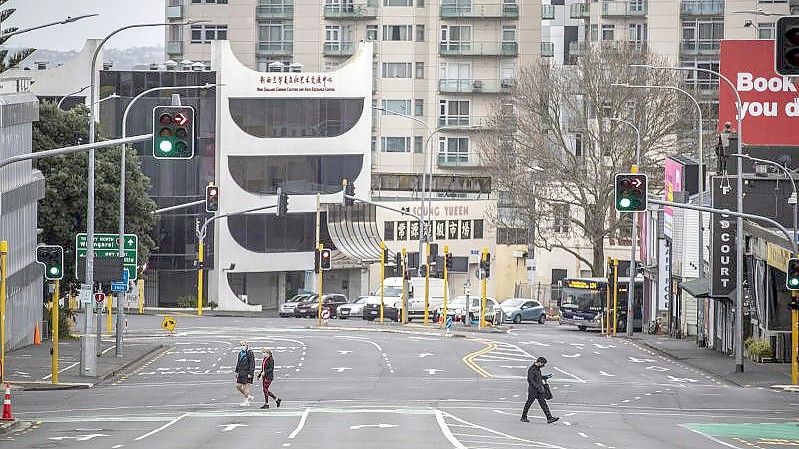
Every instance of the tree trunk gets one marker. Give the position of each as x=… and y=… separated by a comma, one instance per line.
x=598, y=268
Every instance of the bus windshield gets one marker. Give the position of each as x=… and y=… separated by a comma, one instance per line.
x=582, y=295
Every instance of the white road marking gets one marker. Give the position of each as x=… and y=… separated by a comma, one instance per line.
x=657, y=368
x=301, y=424
x=344, y=352
x=421, y=338
x=582, y=381
x=61, y=370
x=716, y=440
x=340, y=369
x=425, y=354
x=379, y=426
x=229, y=427
x=571, y=356
x=117, y=446
x=447, y=433
x=153, y=432
x=566, y=423
x=80, y=438
x=682, y=379
x=607, y=374
x=598, y=346
x=582, y=434
x=569, y=414
x=502, y=412
x=536, y=343
x=602, y=445
x=433, y=371
x=637, y=360
x=188, y=360
x=513, y=366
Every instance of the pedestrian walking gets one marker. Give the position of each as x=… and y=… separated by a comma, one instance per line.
x=537, y=390
x=267, y=375
x=245, y=369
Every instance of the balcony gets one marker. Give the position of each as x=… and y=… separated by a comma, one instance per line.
x=174, y=48
x=578, y=48
x=547, y=49
x=699, y=47
x=174, y=12
x=275, y=48
x=350, y=12
x=460, y=48
x=702, y=8
x=339, y=49
x=474, y=86
x=466, y=160
x=547, y=12
x=275, y=12
x=624, y=9
x=492, y=11
x=580, y=11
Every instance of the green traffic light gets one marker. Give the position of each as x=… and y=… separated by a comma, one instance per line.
x=54, y=271
x=794, y=282
x=165, y=146
x=625, y=203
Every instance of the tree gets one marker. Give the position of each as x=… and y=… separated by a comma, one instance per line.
x=10, y=60
x=553, y=152
x=62, y=212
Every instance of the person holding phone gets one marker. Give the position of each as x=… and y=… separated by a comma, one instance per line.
x=537, y=390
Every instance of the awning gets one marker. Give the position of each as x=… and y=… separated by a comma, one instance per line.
x=700, y=288
x=354, y=231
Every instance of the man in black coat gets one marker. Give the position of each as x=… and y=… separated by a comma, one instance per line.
x=535, y=390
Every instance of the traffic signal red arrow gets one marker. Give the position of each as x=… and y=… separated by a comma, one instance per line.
x=181, y=119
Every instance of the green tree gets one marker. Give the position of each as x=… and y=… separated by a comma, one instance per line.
x=8, y=59
x=62, y=212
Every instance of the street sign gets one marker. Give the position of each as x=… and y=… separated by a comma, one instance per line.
x=119, y=286
x=85, y=295
x=107, y=246
x=169, y=323
x=99, y=298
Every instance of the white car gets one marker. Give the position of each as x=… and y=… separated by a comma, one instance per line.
x=287, y=308
x=456, y=308
x=354, y=308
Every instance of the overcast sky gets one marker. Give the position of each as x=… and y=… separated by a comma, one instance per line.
x=112, y=14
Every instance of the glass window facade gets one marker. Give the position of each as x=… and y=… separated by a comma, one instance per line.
x=304, y=175
x=296, y=117
x=267, y=233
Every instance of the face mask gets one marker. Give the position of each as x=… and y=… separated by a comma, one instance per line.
x=243, y=348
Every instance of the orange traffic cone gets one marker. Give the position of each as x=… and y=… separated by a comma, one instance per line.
x=7, y=405
x=37, y=336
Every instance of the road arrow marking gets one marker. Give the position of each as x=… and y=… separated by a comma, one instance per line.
x=607, y=374
x=229, y=427
x=635, y=360
x=344, y=352
x=379, y=426
x=598, y=346
x=681, y=379
x=571, y=356
x=433, y=371
x=187, y=360
x=80, y=438
x=657, y=368
x=425, y=354
x=340, y=369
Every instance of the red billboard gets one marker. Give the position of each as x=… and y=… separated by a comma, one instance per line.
x=770, y=101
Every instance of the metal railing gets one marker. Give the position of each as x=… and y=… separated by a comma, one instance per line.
x=350, y=11
x=624, y=9
x=458, y=160
x=284, y=11
x=474, y=86
x=700, y=47
x=702, y=8
x=465, y=48
x=339, y=48
x=275, y=48
x=490, y=11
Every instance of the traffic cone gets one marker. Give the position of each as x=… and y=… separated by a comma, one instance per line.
x=7, y=405
x=37, y=336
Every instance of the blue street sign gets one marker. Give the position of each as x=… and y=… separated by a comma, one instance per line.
x=119, y=286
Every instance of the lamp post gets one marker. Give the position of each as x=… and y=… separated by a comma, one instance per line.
x=122, y=173
x=700, y=155
x=60, y=22
x=739, y=237
x=88, y=359
x=634, y=233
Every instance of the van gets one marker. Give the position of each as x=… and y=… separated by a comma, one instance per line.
x=416, y=298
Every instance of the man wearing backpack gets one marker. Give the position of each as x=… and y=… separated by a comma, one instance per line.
x=245, y=369
x=537, y=391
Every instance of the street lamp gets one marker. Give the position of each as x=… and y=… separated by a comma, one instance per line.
x=739, y=238
x=60, y=22
x=88, y=359
x=634, y=233
x=701, y=156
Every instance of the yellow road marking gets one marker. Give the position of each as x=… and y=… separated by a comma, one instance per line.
x=468, y=359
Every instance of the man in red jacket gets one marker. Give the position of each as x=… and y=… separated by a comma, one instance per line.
x=268, y=374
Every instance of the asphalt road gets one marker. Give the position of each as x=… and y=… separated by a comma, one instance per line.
x=347, y=386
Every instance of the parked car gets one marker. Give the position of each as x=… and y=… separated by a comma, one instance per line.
x=352, y=309
x=391, y=309
x=310, y=309
x=287, y=308
x=521, y=309
x=456, y=309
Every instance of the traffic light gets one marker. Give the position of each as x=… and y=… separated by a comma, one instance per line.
x=211, y=198
x=173, y=132
x=282, y=202
x=630, y=192
x=448, y=261
x=385, y=256
x=316, y=260
x=349, y=190
x=52, y=257
x=792, y=275
x=485, y=265
x=325, y=262
x=786, y=47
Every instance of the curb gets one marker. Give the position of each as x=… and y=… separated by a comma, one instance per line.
x=786, y=388
x=6, y=426
x=116, y=370
x=46, y=386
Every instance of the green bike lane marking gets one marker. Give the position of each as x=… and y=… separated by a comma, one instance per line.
x=763, y=433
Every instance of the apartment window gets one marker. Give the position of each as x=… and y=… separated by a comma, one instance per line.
x=453, y=150
x=419, y=33
x=204, y=34
x=371, y=32
x=418, y=107
x=418, y=144
x=637, y=33
x=419, y=66
x=594, y=32
x=607, y=32
x=456, y=33
x=397, y=70
x=508, y=33
x=420, y=3
x=765, y=30
x=374, y=144
x=702, y=35
x=701, y=80
x=560, y=218
x=395, y=144
x=578, y=145
x=453, y=113
x=397, y=32
x=396, y=106
x=276, y=32
x=333, y=37
x=397, y=2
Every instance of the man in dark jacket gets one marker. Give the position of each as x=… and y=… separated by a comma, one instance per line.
x=535, y=390
x=245, y=369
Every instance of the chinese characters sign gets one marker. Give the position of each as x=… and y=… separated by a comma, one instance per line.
x=442, y=230
x=295, y=82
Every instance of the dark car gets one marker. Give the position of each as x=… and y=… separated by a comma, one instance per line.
x=310, y=308
x=391, y=310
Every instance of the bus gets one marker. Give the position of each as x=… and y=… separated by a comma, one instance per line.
x=583, y=301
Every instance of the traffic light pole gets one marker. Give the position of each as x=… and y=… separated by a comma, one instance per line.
x=483, y=292
x=54, y=319
x=319, y=295
x=426, y=283
x=382, y=276
x=446, y=286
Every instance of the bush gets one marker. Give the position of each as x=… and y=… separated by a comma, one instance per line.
x=758, y=348
x=187, y=302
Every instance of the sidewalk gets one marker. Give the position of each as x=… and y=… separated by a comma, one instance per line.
x=29, y=368
x=716, y=363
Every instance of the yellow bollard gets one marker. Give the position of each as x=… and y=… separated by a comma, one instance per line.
x=615, y=293
x=109, y=318
x=140, y=283
x=483, y=293
x=200, y=258
x=54, y=314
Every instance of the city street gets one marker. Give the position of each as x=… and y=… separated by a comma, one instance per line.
x=357, y=385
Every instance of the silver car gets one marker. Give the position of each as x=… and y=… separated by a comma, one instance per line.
x=354, y=308
x=287, y=308
x=521, y=309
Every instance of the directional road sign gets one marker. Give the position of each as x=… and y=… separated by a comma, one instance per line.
x=107, y=245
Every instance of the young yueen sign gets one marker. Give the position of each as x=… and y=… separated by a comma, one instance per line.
x=770, y=101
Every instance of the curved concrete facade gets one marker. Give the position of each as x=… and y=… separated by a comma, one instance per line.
x=262, y=271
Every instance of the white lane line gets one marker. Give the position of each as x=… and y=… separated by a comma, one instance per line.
x=582, y=434
x=301, y=424
x=152, y=432
x=448, y=433
x=502, y=412
x=582, y=381
x=61, y=370
x=716, y=440
x=117, y=446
